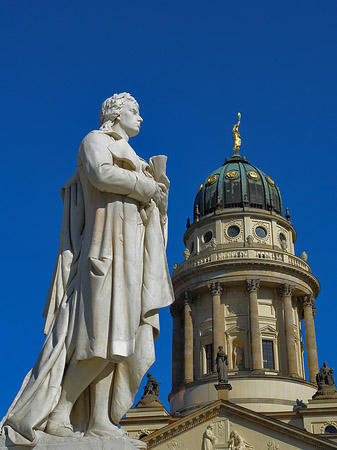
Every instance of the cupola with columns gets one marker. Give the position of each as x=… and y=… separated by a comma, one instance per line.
x=242, y=287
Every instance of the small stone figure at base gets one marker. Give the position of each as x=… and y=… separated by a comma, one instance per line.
x=151, y=392
x=326, y=383
x=325, y=376
x=222, y=365
x=152, y=386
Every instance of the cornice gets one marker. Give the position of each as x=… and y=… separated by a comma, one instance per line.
x=262, y=377
x=230, y=410
x=257, y=264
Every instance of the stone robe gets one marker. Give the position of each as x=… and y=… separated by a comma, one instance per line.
x=110, y=279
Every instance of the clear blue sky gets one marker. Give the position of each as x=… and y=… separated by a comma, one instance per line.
x=192, y=66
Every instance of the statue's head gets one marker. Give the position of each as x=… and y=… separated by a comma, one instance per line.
x=120, y=112
x=149, y=375
x=325, y=364
x=220, y=347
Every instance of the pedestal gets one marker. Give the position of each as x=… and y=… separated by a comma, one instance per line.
x=48, y=442
x=223, y=390
x=325, y=392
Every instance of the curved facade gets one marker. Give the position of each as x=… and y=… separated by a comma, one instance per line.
x=242, y=287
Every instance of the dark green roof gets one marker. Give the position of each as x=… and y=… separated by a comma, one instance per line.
x=235, y=184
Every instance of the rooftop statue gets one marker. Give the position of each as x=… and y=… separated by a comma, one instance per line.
x=236, y=136
x=325, y=376
x=110, y=279
x=152, y=386
x=326, y=383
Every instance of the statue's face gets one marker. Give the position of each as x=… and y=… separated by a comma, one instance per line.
x=130, y=119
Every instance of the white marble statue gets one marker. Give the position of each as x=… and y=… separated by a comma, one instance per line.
x=110, y=279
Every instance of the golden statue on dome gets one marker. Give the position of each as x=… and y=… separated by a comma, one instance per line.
x=236, y=136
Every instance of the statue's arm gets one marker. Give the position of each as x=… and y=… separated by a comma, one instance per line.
x=97, y=162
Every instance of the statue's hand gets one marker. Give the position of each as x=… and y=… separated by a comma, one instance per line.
x=161, y=197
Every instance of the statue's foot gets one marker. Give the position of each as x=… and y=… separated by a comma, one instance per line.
x=60, y=429
x=110, y=430
x=104, y=429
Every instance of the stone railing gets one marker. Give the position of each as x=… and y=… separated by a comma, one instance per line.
x=242, y=253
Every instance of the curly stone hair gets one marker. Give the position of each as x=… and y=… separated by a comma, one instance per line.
x=112, y=107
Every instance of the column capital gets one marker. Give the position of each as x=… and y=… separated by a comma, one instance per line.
x=187, y=298
x=215, y=288
x=175, y=310
x=253, y=285
x=286, y=290
x=308, y=300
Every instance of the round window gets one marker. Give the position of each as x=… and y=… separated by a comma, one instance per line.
x=261, y=232
x=208, y=236
x=233, y=231
x=282, y=238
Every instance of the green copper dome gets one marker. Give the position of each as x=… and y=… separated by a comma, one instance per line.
x=236, y=184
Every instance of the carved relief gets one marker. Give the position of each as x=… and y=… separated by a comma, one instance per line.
x=216, y=434
x=173, y=445
x=266, y=227
x=236, y=442
x=331, y=423
x=209, y=438
x=221, y=430
x=142, y=433
x=236, y=238
x=273, y=446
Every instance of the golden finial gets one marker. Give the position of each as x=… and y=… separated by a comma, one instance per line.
x=236, y=136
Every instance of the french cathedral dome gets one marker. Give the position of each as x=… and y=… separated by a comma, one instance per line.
x=237, y=183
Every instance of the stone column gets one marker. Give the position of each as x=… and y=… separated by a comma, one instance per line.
x=308, y=303
x=216, y=290
x=286, y=291
x=188, y=339
x=177, y=357
x=255, y=335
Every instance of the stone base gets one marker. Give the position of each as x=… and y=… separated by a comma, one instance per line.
x=48, y=442
x=223, y=390
x=149, y=401
x=325, y=392
x=319, y=396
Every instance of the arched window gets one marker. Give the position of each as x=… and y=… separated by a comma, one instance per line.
x=330, y=429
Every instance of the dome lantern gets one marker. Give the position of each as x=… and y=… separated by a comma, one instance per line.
x=237, y=184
